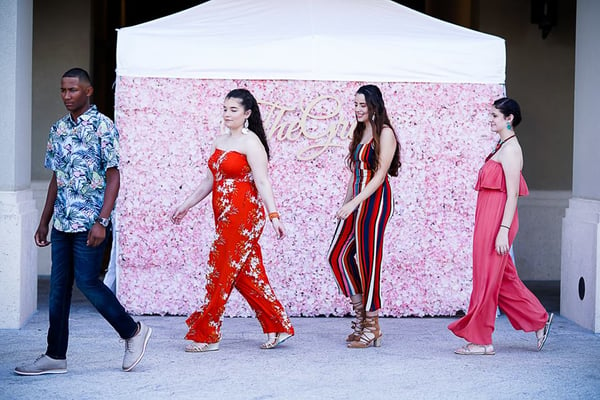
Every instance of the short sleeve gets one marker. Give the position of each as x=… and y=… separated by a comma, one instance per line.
x=50, y=158
x=109, y=143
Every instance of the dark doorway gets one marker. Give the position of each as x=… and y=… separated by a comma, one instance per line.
x=110, y=15
x=107, y=17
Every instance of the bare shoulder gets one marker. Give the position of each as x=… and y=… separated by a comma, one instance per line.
x=512, y=148
x=251, y=141
x=254, y=150
x=387, y=134
x=511, y=155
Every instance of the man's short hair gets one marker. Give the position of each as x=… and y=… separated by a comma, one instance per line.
x=80, y=74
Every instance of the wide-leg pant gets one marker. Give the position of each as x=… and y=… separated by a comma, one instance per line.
x=248, y=276
x=356, y=250
x=495, y=280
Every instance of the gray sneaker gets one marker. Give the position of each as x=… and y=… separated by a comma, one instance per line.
x=43, y=365
x=136, y=347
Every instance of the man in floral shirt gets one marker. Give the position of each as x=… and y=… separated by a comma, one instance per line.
x=83, y=154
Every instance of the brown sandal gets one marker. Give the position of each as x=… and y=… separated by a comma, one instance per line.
x=370, y=335
x=357, y=324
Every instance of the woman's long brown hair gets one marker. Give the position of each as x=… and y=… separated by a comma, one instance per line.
x=378, y=119
x=255, y=123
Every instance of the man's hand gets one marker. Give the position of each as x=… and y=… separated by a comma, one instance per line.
x=96, y=235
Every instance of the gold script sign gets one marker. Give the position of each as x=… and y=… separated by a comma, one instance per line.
x=303, y=123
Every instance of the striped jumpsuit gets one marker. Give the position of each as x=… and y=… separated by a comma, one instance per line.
x=356, y=250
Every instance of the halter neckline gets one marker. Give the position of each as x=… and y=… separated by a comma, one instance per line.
x=498, y=146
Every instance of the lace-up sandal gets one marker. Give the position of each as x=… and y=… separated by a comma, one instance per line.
x=357, y=324
x=197, y=347
x=370, y=335
x=274, y=340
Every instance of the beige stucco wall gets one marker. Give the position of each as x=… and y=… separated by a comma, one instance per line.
x=61, y=40
x=586, y=181
x=540, y=76
x=18, y=258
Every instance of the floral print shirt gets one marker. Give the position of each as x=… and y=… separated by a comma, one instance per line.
x=80, y=152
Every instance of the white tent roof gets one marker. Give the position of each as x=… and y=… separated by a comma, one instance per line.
x=340, y=40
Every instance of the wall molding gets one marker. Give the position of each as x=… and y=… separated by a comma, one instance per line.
x=538, y=243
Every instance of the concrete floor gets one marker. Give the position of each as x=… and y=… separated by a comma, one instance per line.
x=416, y=361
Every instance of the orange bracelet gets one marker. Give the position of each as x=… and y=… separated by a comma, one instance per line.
x=273, y=215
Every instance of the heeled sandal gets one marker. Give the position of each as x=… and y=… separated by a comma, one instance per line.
x=357, y=324
x=197, y=347
x=370, y=335
x=275, y=339
x=541, y=341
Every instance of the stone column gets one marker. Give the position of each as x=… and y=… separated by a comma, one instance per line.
x=18, y=214
x=580, y=261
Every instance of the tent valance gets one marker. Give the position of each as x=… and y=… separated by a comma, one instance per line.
x=336, y=40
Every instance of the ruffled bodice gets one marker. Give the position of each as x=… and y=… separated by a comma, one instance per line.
x=491, y=177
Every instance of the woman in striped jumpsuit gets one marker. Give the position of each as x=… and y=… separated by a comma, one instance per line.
x=356, y=249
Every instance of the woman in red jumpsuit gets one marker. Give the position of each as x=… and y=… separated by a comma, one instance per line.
x=240, y=185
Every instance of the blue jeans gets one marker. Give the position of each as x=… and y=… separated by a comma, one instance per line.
x=73, y=260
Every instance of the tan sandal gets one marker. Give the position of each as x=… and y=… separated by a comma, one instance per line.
x=472, y=349
x=357, y=324
x=275, y=339
x=198, y=347
x=370, y=335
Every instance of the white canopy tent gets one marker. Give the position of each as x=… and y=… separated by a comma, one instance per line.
x=336, y=40
x=303, y=60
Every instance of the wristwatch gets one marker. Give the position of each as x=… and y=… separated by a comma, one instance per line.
x=103, y=221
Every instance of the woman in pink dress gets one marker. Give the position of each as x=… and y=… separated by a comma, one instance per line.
x=495, y=279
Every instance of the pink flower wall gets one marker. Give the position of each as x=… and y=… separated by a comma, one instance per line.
x=167, y=127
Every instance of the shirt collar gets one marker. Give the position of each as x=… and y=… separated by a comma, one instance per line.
x=87, y=115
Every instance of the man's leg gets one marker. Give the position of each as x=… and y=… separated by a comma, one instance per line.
x=61, y=289
x=54, y=361
x=88, y=261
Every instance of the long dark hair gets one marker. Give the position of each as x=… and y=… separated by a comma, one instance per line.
x=507, y=107
x=378, y=119
x=254, y=120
